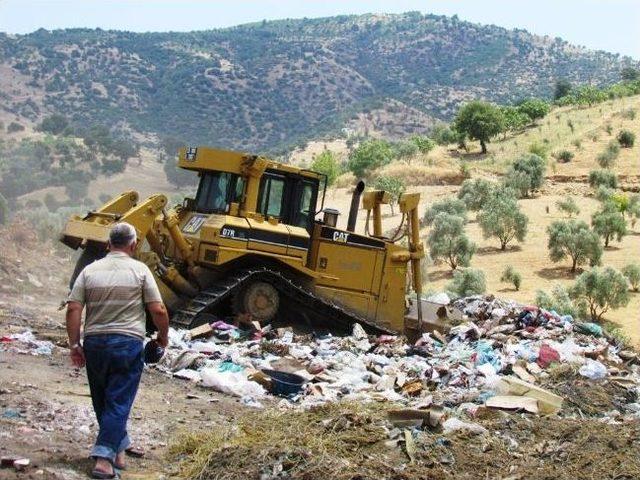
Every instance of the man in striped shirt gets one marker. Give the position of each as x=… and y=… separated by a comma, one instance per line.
x=115, y=291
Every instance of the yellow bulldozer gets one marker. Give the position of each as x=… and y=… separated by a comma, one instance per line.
x=251, y=243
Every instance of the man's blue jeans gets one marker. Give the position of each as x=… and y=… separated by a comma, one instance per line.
x=114, y=368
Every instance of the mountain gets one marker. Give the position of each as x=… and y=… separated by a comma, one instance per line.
x=271, y=85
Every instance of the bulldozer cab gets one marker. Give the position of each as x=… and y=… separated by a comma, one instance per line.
x=243, y=185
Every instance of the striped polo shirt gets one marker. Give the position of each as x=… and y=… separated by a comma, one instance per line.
x=115, y=290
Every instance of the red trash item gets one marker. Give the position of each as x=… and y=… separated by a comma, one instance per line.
x=547, y=356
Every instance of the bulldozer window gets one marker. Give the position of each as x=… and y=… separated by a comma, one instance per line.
x=216, y=191
x=271, y=196
x=306, y=205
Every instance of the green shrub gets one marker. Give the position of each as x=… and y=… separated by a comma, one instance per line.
x=327, y=164
x=424, y=143
x=467, y=282
x=564, y=156
x=558, y=301
x=368, y=156
x=569, y=206
x=603, y=178
x=626, y=138
x=538, y=149
x=512, y=276
x=526, y=175
x=4, y=210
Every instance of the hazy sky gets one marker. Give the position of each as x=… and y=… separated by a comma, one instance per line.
x=612, y=25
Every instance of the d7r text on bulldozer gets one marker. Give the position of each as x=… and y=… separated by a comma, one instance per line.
x=250, y=244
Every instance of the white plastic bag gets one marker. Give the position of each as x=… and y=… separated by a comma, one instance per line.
x=233, y=383
x=593, y=370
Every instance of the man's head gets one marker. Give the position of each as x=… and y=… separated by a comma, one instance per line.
x=123, y=238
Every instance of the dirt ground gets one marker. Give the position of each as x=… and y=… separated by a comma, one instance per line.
x=46, y=414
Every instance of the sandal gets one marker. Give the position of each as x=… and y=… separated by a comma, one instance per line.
x=100, y=474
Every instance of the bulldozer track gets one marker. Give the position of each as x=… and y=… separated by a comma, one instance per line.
x=208, y=299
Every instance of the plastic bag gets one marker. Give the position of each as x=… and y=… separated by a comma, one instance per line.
x=233, y=383
x=593, y=370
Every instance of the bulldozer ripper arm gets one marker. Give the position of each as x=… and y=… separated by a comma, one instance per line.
x=409, y=205
x=94, y=227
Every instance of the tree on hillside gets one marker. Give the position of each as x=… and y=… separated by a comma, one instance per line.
x=368, y=156
x=599, y=290
x=395, y=186
x=501, y=217
x=467, y=282
x=514, y=119
x=609, y=223
x=479, y=121
x=526, y=175
x=54, y=124
x=450, y=205
x=327, y=164
x=534, y=108
x=573, y=239
x=475, y=193
x=447, y=241
x=562, y=89
x=179, y=177
x=170, y=146
x=629, y=74
x=569, y=206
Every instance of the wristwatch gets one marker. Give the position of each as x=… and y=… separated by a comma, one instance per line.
x=74, y=346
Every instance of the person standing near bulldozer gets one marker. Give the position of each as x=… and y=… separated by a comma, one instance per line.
x=115, y=291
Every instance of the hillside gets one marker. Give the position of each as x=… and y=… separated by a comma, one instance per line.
x=270, y=85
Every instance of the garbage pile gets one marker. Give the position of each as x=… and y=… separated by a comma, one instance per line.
x=504, y=356
x=25, y=343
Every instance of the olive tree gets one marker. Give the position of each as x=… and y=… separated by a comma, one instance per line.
x=475, y=193
x=447, y=241
x=466, y=282
x=479, y=121
x=557, y=300
x=501, y=217
x=526, y=174
x=569, y=206
x=632, y=272
x=599, y=290
x=452, y=206
x=573, y=239
x=609, y=223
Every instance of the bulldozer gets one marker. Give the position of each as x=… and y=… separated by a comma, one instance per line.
x=257, y=241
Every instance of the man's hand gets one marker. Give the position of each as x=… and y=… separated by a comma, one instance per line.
x=160, y=318
x=162, y=340
x=77, y=356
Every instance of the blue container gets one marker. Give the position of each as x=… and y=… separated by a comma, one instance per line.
x=283, y=383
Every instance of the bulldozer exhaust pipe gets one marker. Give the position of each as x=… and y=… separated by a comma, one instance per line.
x=355, y=204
